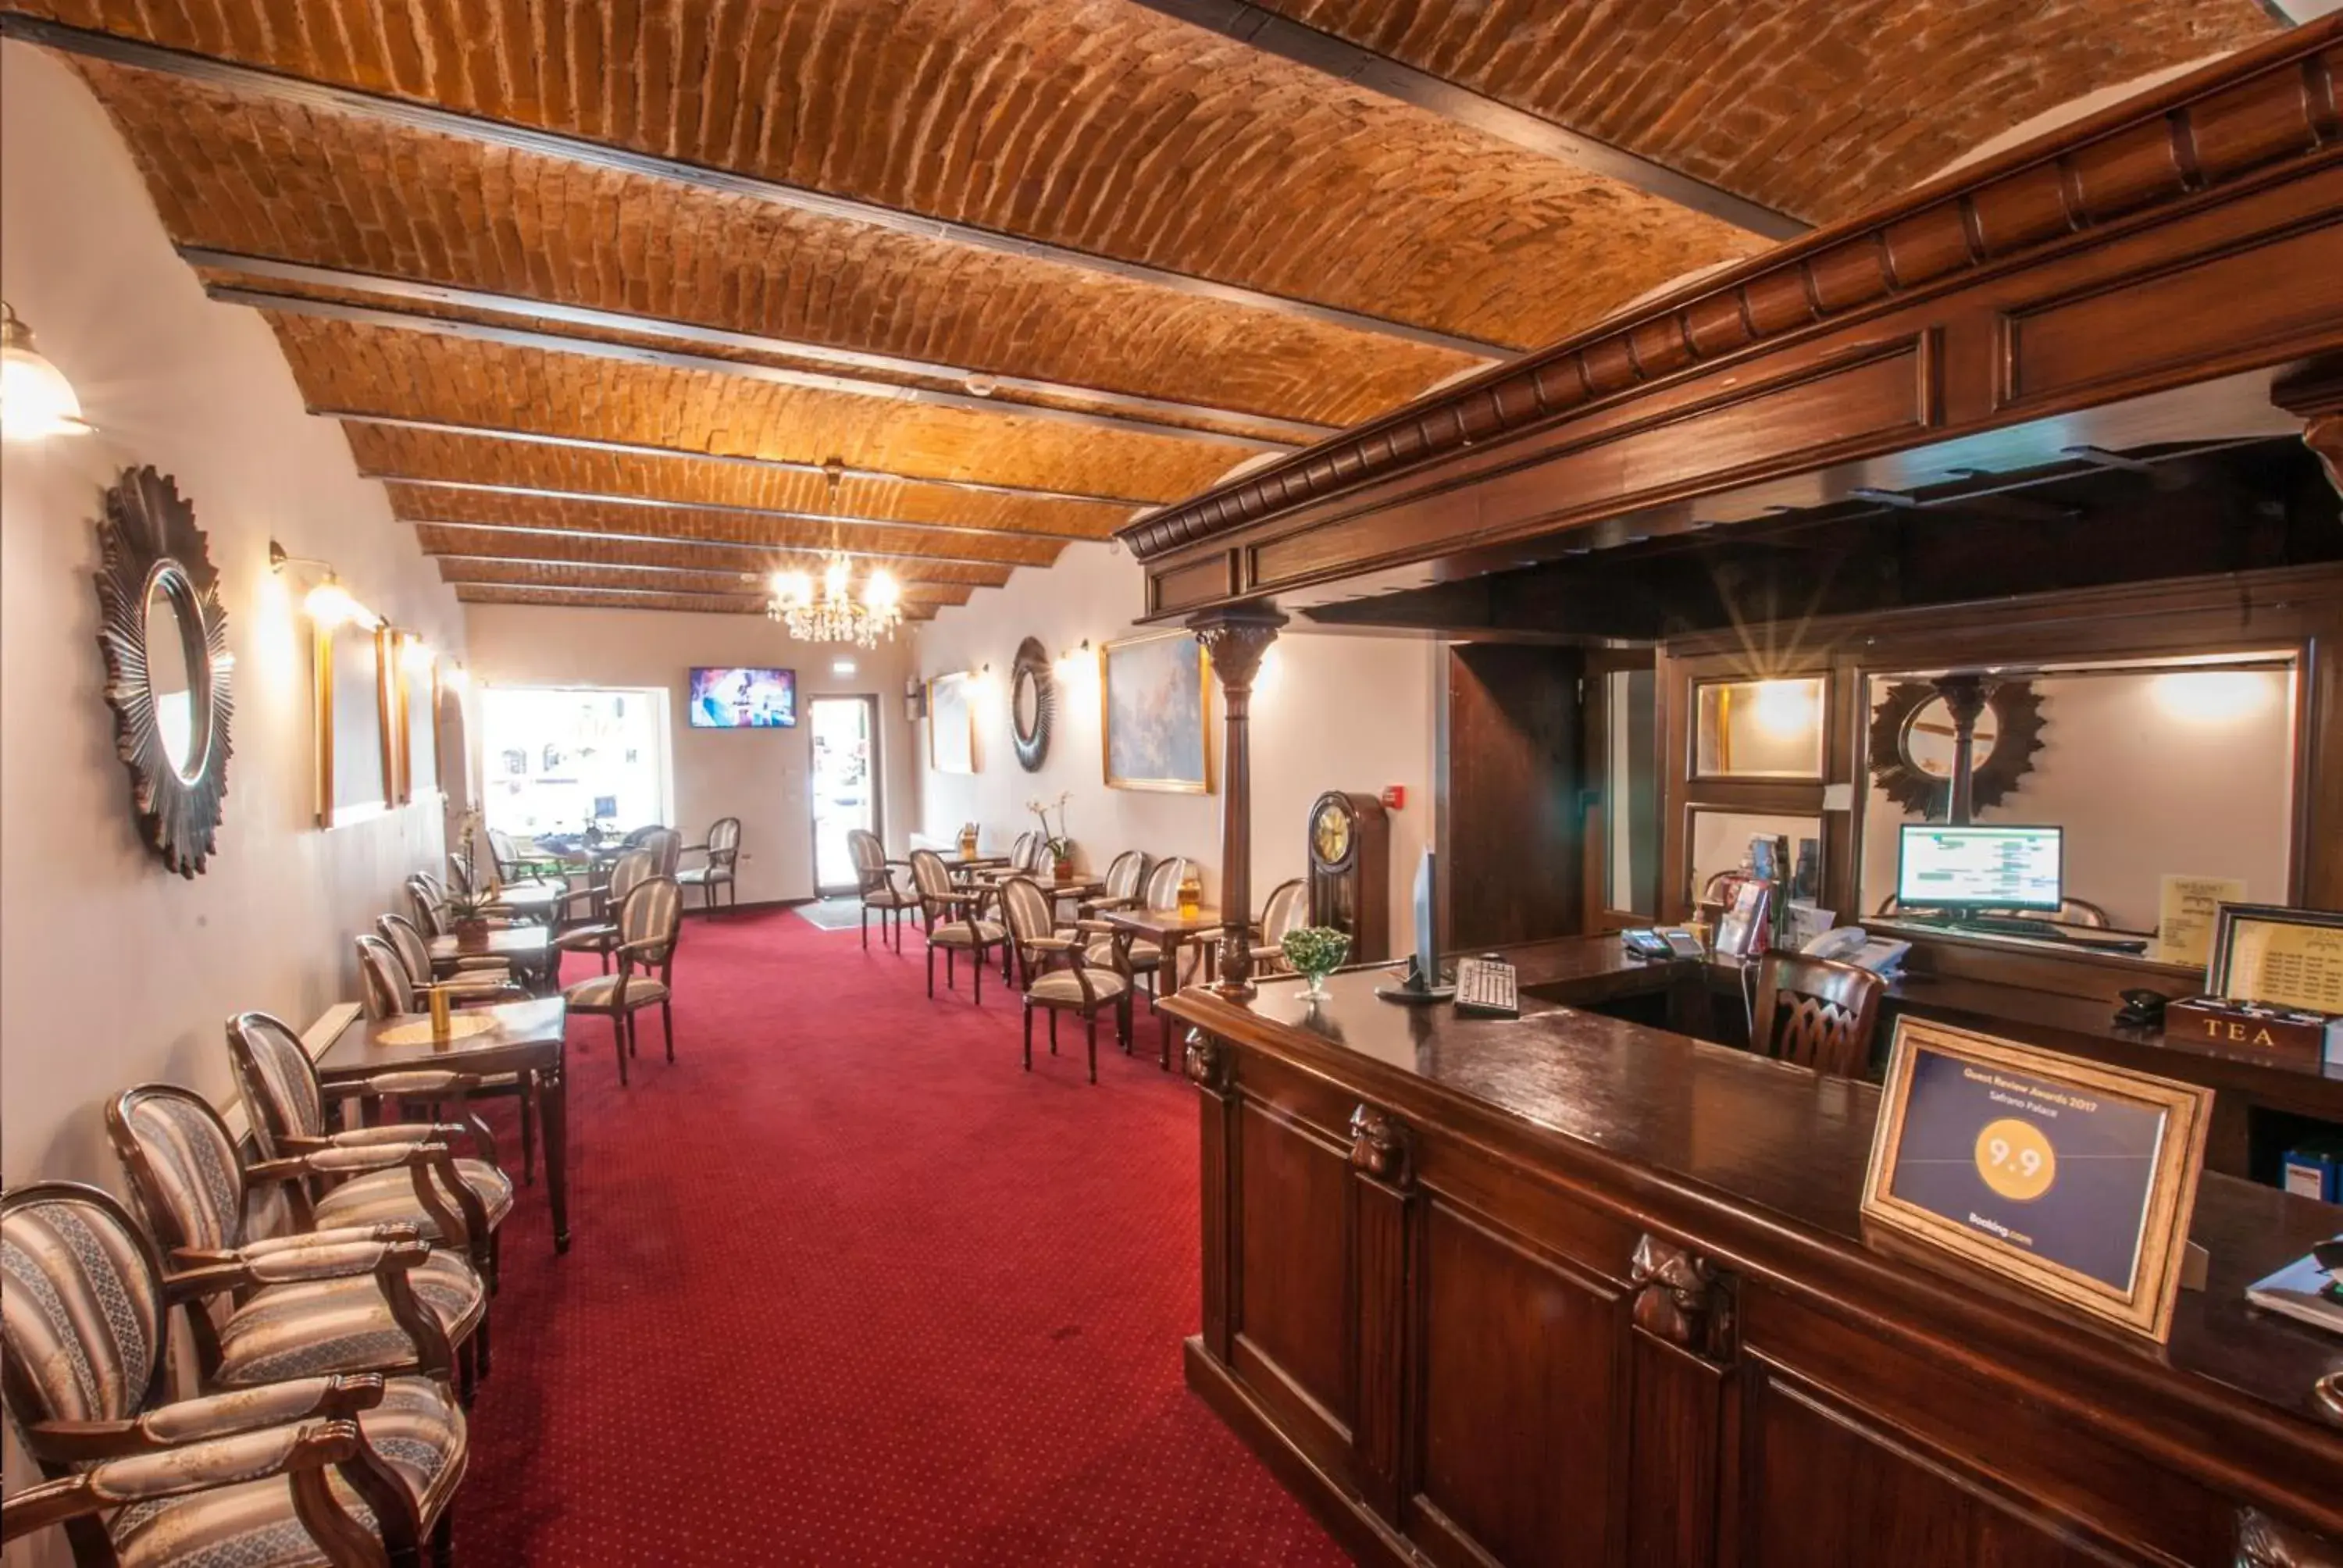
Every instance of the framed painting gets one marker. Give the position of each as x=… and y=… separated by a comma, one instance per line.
x=352, y=702
x=1154, y=720
x=951, y=724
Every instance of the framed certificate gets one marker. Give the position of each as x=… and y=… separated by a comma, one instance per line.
x=2066, y=1177
x=2278, y=956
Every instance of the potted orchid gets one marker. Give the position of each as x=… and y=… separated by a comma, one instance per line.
x=1061, y=848
x=467, y=902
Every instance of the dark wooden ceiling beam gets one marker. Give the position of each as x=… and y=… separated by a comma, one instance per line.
x=981, y=390
x=391, y=421
x=894, y=559
x=570, y=595
x=1272, y=34
x=276, y=87
x=649, y=578
x=655, y=503
x=472, y=557
x=472, y=331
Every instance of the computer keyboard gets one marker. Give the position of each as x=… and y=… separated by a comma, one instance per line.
x=1486, y=985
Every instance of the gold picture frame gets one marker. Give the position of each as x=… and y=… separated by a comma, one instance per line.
x=327, y=648
x=952, y=717
x=2309, y=946
x=2018, y=1087
x=1163, y=762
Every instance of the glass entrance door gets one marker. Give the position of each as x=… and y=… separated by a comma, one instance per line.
x=845, y=783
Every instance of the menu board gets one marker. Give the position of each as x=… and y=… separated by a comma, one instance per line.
x=2073, y=1179
x=2281, y=956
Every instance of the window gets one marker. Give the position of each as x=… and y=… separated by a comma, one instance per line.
x=554, y=757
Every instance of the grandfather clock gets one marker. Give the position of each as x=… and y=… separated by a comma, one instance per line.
x=1349, y=870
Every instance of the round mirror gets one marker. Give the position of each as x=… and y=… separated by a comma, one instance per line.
x=1928, y=739
x=174, y=667
x=1032, y=695
x=1025, y=701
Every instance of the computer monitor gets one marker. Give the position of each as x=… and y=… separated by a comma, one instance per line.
x=1945, y=867
x=1427, y=953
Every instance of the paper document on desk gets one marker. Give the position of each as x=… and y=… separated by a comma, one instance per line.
x=2185, y=914
x=2297, y=1292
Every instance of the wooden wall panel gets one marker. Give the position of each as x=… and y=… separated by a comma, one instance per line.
x=1509, y=767
x=1293, y=1262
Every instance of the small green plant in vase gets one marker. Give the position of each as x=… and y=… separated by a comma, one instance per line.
x=1316, y=952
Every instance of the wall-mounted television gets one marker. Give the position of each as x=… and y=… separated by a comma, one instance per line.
x=731, y=697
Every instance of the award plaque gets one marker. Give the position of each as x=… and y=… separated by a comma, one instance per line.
x=2064, y=1176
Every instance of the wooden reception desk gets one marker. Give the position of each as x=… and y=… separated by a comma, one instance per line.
x=1576, y=1290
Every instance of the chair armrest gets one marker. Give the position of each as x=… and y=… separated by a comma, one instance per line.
x=340, y=1235
x=347, y=1161
x=1093, y=906
x=209, y=1416
x=1098, y=928
x=179, y=1472
x=644, y=949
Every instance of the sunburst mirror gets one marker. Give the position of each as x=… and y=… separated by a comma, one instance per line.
x=1913, y=745
x=165, y=638
x=1032, y=702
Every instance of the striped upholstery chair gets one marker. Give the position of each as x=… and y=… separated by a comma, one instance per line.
x=875, y=882
x=476, y=977
x=650, y=922
x=666, y=845
x=1078, y=988
x=601, y=936
x=723, y=852
x=1124, y=874
x=388, y=1303
x=1287, y=909
x=340, y=1469
x=952, y=926
x=286, y=1102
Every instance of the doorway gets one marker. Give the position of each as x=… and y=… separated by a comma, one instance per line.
x=845, y=784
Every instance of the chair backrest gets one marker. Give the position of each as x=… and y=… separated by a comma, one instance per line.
x=184, y=1166
x=636, y=837
x=1026, y=909
x=459, y=875
x=383, y=979
x=500, y=850
x=724, y=841
x=652, y=912
x=82, y=1312
x=1124, y=873
x=1288, y=909
x=1817, y=1012
x=869, y=857
x=431, y=909
x=414, y=953
x=279, y=1081
x=627, y=870
x=1164, y=883
x=930, y=876
x=1038, y=858
x=666, y=845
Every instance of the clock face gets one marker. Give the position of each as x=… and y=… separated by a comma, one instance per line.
x=1330, y=835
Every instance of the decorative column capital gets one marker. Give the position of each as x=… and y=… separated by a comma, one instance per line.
x=1681, y=1297
x=1237, y=639
x=1379, y=1147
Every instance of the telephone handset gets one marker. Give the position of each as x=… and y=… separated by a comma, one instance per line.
x=1854, y=945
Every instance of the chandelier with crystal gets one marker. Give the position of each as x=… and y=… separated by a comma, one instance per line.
x=836, y=614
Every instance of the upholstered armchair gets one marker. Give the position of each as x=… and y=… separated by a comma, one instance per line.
x=666, y=845
x=1287, y=909
x=355, y=1469
x=367, y=1296
x=1080, y=987
x=1114, y=948
x=723, y=852
x=1123, y=877
x=599, y=935
x=287, y=1101
x=516, y=869
x=953, y=925
x=469, y=977
x=875, y=881
x=649, y=924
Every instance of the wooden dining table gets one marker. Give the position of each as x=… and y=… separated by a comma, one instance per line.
x=528, y=948
x=526, y=1038
x=1170, y=930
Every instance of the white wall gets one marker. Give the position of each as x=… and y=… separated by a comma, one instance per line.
x=758, y=775
x=2145, y=785
x=1333, y=713
x=111, y=969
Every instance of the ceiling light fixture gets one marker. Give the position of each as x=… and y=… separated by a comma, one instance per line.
x=835, y=613
x=37, y=401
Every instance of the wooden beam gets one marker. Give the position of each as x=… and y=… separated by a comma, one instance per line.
x=1265, y=30
x=679, y=359
x=655, y=503
x=750, y=556
x=982, y=389
x=644, y=578
x=644, y=449
x=320, y=96
x=631, y=598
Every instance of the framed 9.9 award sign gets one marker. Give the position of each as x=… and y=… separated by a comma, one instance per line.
x=2069, y=1178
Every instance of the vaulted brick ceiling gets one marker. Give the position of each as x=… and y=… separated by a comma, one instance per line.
x=628, y=304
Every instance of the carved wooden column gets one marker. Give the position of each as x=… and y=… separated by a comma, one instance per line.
x=2316, y=394
x=1383, y=1192
x=1206, y=1062
x=1236, y=638
x=1964, y=699
x=1683, y=1348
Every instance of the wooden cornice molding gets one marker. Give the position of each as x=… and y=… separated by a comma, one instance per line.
x=2261, y=116
x=2316, y=393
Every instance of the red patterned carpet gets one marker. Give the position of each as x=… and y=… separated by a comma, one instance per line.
x=847, y=1287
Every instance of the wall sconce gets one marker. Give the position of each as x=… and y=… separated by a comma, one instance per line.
x=415, y=654
x=1074, y=659
x=915, y=701
x=327, y=602
x=37, y=401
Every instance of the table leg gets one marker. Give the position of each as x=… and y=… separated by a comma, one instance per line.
x=553, y=1120
x=1167, y=986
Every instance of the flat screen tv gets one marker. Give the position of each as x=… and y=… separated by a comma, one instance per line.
x=729, y=697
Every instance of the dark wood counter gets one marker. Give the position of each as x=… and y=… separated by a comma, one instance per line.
x=1571, y=1289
